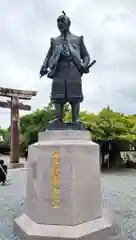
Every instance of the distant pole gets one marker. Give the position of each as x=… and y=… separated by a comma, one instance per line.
x=15, y=141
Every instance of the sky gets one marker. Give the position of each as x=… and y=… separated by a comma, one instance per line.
x=109, y=29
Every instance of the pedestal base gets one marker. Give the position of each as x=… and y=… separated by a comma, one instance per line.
x=63, y=191
x=26, y=229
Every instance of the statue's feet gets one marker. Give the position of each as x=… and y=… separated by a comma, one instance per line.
x=79, y=124
x=56, y=121
x=77, y=121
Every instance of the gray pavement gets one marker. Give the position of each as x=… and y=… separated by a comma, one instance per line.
x=11, y=202
x=6, y=159
x=119, y=195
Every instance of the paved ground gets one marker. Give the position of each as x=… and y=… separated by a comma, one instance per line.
x=6, y=159
x=11, y=202
x=119, y=195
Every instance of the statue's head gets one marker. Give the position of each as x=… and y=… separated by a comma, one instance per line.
x=63, y=23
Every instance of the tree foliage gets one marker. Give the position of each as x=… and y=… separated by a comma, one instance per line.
x=107, y=124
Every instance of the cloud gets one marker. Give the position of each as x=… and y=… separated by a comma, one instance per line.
x=109, y=29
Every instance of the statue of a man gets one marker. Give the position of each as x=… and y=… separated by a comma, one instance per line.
x=66, y=61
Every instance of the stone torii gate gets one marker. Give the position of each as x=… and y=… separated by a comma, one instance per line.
x=15, y=105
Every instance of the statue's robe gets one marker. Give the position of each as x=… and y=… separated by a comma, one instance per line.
x=65, y=60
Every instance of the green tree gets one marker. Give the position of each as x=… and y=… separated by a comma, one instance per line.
x=107, y=124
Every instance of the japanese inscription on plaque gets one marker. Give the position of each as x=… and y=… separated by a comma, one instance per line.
x=55, y=191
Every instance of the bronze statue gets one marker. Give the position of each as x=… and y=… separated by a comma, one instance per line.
x=66, y=61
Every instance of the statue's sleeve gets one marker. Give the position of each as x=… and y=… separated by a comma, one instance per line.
x=49, y=54
x=84, y=53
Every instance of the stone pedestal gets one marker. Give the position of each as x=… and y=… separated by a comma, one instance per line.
x=63, y=193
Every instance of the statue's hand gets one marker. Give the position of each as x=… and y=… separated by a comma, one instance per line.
x=84, y=69
x=43, y=72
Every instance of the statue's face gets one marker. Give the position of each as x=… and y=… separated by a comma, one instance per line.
x=63, y=24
